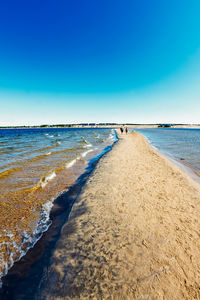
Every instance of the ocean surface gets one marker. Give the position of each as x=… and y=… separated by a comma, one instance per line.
x=37, y=165
x=182, y=145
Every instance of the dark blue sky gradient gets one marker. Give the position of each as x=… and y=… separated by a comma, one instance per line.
x=94, y=46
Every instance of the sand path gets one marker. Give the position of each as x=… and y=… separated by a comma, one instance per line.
x=134, y=232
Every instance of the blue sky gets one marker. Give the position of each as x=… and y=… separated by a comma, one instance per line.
x=99, y=61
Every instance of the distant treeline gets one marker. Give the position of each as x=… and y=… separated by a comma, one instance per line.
x=86, y=124
x=59, y=125
x=165, y=125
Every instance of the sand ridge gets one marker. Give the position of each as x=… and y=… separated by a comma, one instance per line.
x=134, y=233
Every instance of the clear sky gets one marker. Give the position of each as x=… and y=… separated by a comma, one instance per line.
x=77, y=61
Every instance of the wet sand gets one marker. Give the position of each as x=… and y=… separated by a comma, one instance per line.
x=133, y=233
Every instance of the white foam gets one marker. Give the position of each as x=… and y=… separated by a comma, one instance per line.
x=48, y=153
x=112, y=136
x=71, y=163
x=47, y=179
x=88, y=145
x=28, y=240
x=86, y=152
x=46, y=208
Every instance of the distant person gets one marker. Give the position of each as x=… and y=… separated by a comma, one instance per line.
x=121, y=129
x=126, y=130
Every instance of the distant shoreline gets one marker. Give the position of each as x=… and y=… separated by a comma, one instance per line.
x=108, y=125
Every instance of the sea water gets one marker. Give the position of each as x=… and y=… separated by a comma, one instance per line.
x=36, y=165
x=181, y=144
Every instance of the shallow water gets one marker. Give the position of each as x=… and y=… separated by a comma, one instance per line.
x=181, y=144
x=36, y=165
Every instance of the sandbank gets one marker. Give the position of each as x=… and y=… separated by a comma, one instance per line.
x=133, y=233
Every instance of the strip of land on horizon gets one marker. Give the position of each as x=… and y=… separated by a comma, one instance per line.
x=105, y=125
x=132, y=234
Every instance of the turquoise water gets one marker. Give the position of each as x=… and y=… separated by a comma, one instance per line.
x=181, y=144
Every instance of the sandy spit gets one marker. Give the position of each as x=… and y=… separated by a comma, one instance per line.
x=134, y=233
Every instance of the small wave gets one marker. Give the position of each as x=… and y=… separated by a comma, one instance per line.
x=49, y=153
x=82, y=155
x=48, y=178
x=67, y=150
x=44, y=216
x=86, y=152
x=9, y=171
x=21, y=190
x=38, y=157
x=48, y=135
x=88, y=146
x=71, y=163
x=7, y=259
x=15, y=252
x=8, y=150
x=112, y=136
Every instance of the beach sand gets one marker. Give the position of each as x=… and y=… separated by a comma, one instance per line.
x=134, y=232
